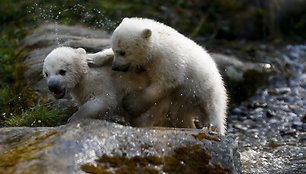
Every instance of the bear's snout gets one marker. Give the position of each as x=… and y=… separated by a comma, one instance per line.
x=53, y=85
x=56, y=88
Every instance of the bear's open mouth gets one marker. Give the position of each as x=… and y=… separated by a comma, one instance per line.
x=58, y=94
x=122, y=68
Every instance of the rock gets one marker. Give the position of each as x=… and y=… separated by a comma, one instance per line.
x=103, y=147
x=257, y=104
x=240, y=127
x=242, y=78
x=270, y=113
x=280, y=91
x=304, y=118
x=297, y=125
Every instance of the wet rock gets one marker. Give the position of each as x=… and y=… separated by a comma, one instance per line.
x=104, y=147
x=270, y=113
x=280, y=91
x=239, y=111
x=236, y=111
x=242, y=118
x=242, y=78
x=258, y=104
x=54, y=35
x=304, y=118
x=272, y=135
x=297, y=125
x=240, y=127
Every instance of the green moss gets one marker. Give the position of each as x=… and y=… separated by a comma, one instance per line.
x=37, y=117
x=9, y=161
x=201, y=136
x=123, y=165
x=89, y=168
x=23, y=110
x=191, y=159
x=188, y=159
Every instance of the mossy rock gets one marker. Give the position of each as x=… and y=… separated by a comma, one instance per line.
x=103, y=147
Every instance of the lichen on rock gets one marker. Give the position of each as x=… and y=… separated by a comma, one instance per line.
x=104, y=147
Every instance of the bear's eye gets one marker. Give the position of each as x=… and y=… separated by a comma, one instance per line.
x=62, y=72
x=46, y=74
x=122, y=53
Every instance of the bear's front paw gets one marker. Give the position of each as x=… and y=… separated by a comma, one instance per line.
x=133, y=104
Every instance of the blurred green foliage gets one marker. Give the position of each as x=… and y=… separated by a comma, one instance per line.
x=267, y=20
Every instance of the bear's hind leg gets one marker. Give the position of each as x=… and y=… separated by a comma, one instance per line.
x=212, y=117
x=154, y=116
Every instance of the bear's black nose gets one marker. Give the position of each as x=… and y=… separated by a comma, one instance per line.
x=54, y=85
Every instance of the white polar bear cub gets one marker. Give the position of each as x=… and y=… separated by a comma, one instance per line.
x=66, y=69
x=175, y=65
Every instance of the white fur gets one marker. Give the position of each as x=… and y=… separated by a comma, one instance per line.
x=175, y=64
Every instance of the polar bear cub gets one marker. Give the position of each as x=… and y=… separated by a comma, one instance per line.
x=66, y=69
x=98, y=91
x=175, y=65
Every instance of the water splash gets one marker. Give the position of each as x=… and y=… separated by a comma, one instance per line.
x=91, y=17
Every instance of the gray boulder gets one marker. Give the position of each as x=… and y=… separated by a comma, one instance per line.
x=242, y=78
x=103, y=147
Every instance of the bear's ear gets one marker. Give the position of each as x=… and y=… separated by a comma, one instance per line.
x=125, y=19
x=81, y=51
x=146, y=33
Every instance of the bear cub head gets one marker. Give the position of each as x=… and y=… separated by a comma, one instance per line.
x=131, y=45
x=63, y=68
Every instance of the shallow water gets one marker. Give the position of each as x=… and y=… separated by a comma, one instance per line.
x=270, y=127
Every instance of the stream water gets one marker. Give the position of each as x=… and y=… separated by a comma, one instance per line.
x=270, y=128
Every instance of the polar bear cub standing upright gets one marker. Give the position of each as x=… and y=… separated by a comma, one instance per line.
x=175, y=65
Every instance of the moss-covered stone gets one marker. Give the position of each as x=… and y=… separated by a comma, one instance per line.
x=201, y=136
x=186, y=159
x=191, y=159
x=10, y=160
x=72, y=148
x=121, y=165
